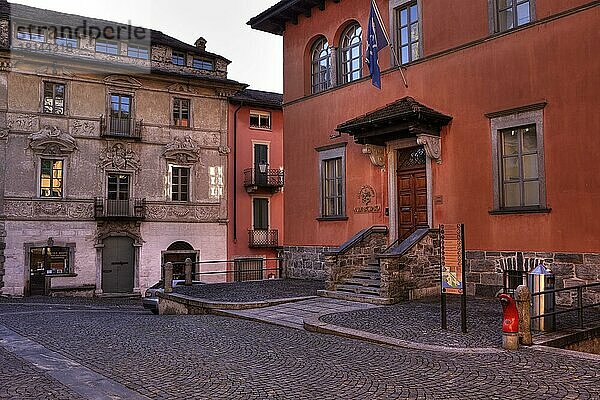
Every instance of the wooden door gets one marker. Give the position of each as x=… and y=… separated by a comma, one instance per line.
x=118, y=265
x=412, y=202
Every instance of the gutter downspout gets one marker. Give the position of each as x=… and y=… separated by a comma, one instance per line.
x=235, y=171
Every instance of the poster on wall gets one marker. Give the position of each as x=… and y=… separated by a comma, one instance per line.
x=452, y=243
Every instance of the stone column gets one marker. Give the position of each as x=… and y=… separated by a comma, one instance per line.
x=169, y=277
x=523, y=299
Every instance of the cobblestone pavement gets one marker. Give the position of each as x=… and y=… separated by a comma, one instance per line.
x=420, y=322
x=23, y=381
x=253, y=291
x=212, y=357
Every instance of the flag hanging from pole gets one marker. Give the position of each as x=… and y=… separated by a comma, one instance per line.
x=376, y=40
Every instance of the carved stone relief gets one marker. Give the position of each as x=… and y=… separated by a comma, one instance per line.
x=432, y=145
x=22, y=122
x=52, y=141
x=4, y=33
x=376, y=154
x=181, y=213
x=181, y=88
x=83, y=128
x=42, y=208
x=122, y=80
x=224, y=150
x=183, y=150
x=118, y=228
x=119, y=157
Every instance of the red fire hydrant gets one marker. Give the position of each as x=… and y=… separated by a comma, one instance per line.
x=510, y=323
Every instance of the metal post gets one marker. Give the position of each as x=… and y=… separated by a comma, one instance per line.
x=188, y=272
x=580, y=306
x=444, y=313
x=280, y=266
x=463, y=297
x=169, y=277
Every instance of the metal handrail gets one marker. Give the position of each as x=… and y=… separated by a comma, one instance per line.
x=233, y=272
x=580, y=306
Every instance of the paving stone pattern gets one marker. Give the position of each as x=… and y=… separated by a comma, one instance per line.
x=420, y=322
x=253, y=291
x=22, y=381
x=212, y=357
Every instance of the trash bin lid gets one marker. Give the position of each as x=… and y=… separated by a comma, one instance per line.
x=541, y=270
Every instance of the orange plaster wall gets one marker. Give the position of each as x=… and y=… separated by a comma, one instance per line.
x=244, y=153
x=556, y=62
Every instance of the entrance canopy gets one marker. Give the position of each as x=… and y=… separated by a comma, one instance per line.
x=403, y=118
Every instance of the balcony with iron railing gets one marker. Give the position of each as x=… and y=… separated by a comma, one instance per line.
x=263, y=238
x=132, y=209
x=271, y=180
x=119, y=127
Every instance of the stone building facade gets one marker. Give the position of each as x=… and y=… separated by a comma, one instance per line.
x=113, y=153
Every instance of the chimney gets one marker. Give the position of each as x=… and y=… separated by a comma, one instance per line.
x=201, y=44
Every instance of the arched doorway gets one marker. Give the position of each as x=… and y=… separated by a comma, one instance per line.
x=177, y=253
x=118, y=265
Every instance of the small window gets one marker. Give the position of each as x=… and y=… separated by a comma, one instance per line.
x=260, y=119
x=510, y=14
x=31, y=33
x=520, y=180
x=408, y=34
x=518, y=164
x=179, y=58
x=51, y=178
x=135, y=51
x=350, y=54
x=320, y=66
x=216, y=182
x=202, y=64
x=118, y=187
x=107, y=46
x=120, y=114
x=181, y=112
x=332, y=189
x=54, y=98
x=67, y=38
x=180, y=183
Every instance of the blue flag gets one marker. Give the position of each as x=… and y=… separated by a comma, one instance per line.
x=376, y=40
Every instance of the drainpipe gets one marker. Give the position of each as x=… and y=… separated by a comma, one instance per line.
x=235, y=171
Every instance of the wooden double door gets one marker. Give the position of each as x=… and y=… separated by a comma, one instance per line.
x=118, y=267
x=412, y=195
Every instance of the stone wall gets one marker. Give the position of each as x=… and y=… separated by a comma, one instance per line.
x=305, y=262
x=413, y=274
x=485, y=271
x=344, y=262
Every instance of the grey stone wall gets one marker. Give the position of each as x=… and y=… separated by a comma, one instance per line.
x=341, y=265
x=2, y=258
x=485, y=271
x=414, y=274
x=305, y=262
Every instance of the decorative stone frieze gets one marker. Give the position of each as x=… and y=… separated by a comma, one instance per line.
x=376, y=154
x=48, y=209
x=22, y=122
x=181, y=88
x=432, y=145
x=182, y=150
x=122, y=80
x=182, y=213
x=119, y=228
x=119, y=156
x=4, y=33
x=52, y=141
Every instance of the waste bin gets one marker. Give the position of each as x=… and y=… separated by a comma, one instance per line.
x=539, y=280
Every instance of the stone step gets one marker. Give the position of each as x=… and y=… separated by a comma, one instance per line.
x=367, y=275
x=368, y=282
x=358, y=289
x=361, y=298
x=371, y=268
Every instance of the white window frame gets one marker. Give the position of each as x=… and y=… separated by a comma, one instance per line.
x=260, y=114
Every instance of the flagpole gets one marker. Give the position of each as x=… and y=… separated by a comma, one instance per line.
x=387, y=37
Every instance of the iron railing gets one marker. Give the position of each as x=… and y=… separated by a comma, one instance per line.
x=579, y=308
x=121, y=127
x=237, y=270
x=127, y=209
x=512, y=279
x=270, y=179
x=265, y=238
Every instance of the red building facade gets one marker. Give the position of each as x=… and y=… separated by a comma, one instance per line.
x=495, y=130
x=256, y=179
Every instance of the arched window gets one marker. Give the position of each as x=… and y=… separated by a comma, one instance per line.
x=351, y=54
x=320, y=66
